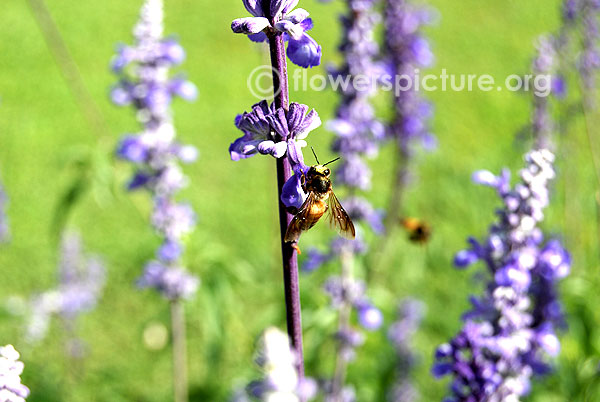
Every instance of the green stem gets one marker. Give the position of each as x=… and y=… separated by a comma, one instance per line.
x=180, y=380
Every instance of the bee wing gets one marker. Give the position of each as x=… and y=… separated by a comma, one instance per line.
x=338, y=217
x=300, y=222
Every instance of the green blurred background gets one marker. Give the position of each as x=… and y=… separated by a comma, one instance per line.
x=48, y=150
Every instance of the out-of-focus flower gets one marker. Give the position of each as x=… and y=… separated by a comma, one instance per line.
x=81, y=280
x=400, y=334
x=11, y=389
x=510, y=330
x=143, y=70
x=280, y=381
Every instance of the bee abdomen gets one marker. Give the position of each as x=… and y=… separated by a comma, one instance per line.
x=316, y=212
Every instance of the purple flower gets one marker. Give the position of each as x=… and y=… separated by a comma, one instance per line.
x=314, y=260
x=11, y=389
x=407, y=49
x=400, y=334
x=509, y=332
x=143, y=82
x=276, y=132
x=369, y=316
x=172, y=282
x=81, y=280
x=302, y=49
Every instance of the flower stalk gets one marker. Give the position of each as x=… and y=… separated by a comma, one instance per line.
x=284, y=173
x=180, y=380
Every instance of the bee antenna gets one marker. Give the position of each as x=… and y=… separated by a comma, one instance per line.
x=313, y=151
x=332, y=161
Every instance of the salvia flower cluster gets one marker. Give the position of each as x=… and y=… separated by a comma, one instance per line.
x=401, y=334
x=11, y=389
x=358, y=131
x=280, y=133
x=589, y=59
x=407, y=50
x=144, y=83
x=81, y=280
x=280, y=380
x=358, y=134
x=510, y=330
x=352, y=293
x=266, y=128
x=280, y=16
x=546, y=63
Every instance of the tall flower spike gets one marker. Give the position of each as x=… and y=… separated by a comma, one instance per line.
x=81, y=280
x=302, y=49
x=510, y=330
x=589, y=60
x=545, y=64
x=144, y=83
x=400, y=334
x=407, y=50
x=357, y=136
x=11, y=389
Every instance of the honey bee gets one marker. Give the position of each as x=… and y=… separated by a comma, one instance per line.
x=418, y=230
x=317, y=184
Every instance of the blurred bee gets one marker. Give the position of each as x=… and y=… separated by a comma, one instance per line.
x=418, y=231
x=320, y=199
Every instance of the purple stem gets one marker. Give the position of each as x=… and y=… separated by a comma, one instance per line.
x=284, y=172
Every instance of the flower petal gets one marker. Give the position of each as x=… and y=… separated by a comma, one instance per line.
x=310, y=122
x=289, y=6
x=306, y=24
x=266, y=147
x=254, y=7
x=279, y=123
x=281, y=7
x=279, y=149
x=292, y=194
x=258, y=37
x=297, y=16
x=295, y=153
x=249, y=25
x=295, y=31
x=304, y=52
x=242, y=148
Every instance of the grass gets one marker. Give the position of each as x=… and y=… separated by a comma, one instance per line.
x=46, y=141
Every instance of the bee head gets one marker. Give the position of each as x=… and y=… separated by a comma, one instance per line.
x=321, y=170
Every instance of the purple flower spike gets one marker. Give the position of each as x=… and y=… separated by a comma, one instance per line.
x=144, y=83
x=508, y=335
x=81, y=280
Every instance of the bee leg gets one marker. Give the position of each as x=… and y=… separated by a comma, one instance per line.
x=295, y=247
